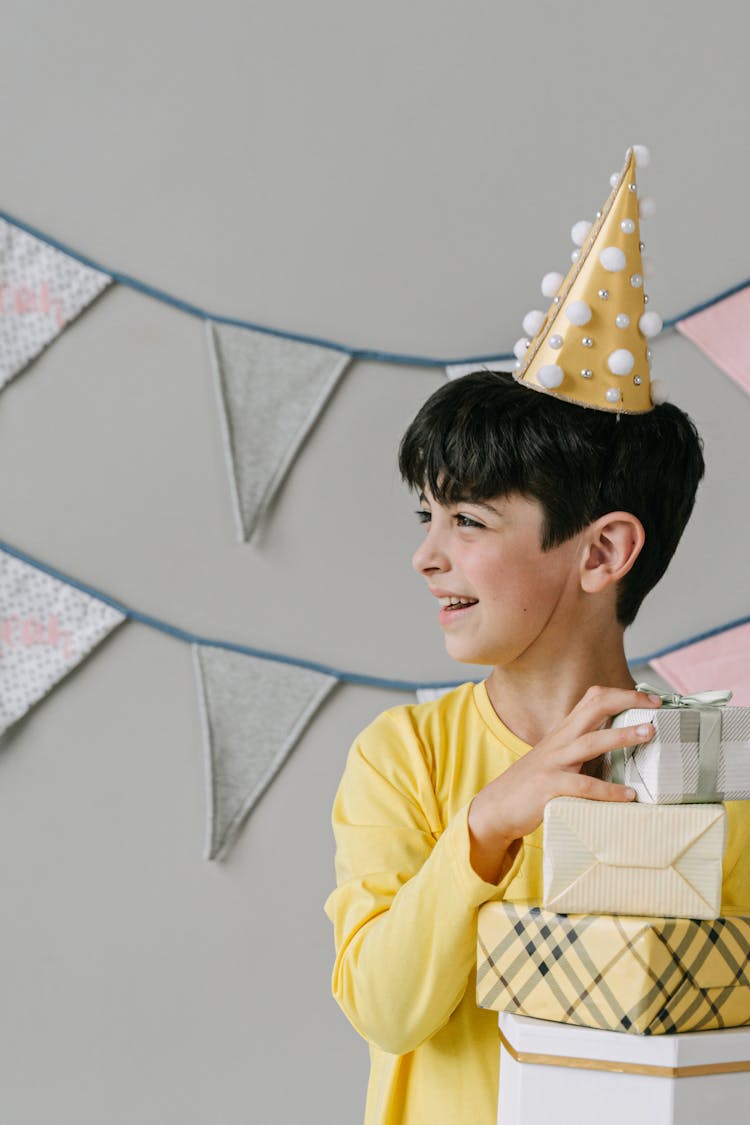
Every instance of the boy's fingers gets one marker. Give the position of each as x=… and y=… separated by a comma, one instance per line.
x=597, y=742
x=595, y=790
x=600, y=703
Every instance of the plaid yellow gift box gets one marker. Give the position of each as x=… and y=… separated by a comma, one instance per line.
x=651, y=976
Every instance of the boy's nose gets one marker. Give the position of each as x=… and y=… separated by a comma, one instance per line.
x=430, y=554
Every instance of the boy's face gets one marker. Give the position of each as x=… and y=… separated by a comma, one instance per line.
x=521, y=600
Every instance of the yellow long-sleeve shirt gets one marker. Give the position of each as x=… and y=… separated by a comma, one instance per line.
x=405, y=905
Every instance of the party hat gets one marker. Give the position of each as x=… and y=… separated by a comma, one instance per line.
x=592, y=346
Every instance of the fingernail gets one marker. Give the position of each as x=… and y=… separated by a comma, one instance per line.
x=630, y=793
x=655, y=698
x=644, y=730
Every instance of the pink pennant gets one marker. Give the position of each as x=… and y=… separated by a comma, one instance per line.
x=721, y=331
x=721, y=661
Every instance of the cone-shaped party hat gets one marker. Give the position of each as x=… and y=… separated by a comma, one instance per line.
x=592, y=346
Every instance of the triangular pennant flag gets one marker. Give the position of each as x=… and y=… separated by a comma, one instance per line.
x=270, y=392
x=721, y=332
x=429, y=694
x=456, y=370
x=253, y=712
x=47, y=627
x=42, y=290
x=720, y=661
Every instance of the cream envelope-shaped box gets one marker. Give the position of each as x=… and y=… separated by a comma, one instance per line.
x=609, y=857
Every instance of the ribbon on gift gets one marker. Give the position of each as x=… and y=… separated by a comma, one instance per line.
x=699, y=699
x=701, y=723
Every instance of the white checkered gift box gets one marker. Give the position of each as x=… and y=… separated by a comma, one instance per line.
x=698, y=754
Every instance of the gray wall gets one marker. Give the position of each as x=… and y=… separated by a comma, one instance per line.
x=392, y=175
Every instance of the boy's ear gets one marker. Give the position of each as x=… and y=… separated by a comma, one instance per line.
x=613, y=544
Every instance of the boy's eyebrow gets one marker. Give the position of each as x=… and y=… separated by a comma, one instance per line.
x=466, y=500
x=477, y=504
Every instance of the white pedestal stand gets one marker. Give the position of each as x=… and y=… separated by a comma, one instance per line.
x=579, y=1076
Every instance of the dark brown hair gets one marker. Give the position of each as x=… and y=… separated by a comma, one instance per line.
x=486, y=435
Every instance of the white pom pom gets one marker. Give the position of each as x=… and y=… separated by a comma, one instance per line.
x=551, y=282
x=627, y=226
x=532, y=322
x=659, y=391
x=612, y=394
x=579, y=231
x=578, y=312
x=620, y=362
x=613, y=179
x=612, y=258
x=520, y=347
x=647, y=207
x=551, y=375
x=642, y=156
x=650, y=324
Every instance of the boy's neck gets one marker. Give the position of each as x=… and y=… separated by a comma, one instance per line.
x=531, y=698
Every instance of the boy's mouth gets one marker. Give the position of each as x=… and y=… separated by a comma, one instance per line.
x=453, y=603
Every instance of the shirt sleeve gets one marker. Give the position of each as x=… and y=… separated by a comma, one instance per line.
x=405, y=905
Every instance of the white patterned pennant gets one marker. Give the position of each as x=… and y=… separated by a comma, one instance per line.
x=42, y=290
x=47, y=627
x=253, y=713
x=429, y=695
x=270, y=392
x=456, y=370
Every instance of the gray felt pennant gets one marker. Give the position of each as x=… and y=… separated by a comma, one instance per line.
x=270, y=392
x=41, y=290
x=47, y=627
x=253, y=712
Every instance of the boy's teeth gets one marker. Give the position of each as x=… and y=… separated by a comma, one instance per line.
x=446, y=602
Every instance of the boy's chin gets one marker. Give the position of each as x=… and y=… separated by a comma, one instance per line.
x=465, y=653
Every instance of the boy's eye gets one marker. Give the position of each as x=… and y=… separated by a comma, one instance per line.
x=467, y=521
x=422, y=515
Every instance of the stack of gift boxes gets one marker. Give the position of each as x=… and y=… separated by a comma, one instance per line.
x=629, y=935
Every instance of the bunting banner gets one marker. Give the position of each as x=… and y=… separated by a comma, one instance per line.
x=271, y=386
x=46, y=629
x=270, y=393
x=718, y=660
x=41, y=291
x=253, y=706
x=721, y=333
x=253, y=713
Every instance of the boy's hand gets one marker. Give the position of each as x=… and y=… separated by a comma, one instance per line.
x=512, y=805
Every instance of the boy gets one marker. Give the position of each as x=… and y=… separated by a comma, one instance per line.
x=553, y=501
x=546, y=526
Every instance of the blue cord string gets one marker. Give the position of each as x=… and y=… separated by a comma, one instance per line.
x=263, y=654
x=355, y=353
